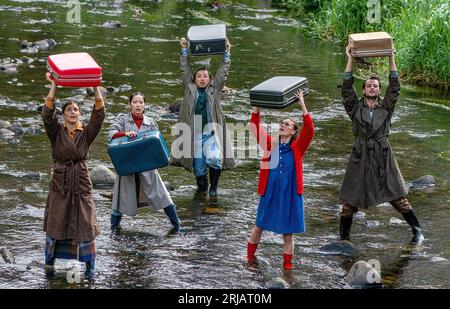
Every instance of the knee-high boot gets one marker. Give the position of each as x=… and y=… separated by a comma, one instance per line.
x=171, y=212
x=345, y=227
x=202, y=184
x=411, y=219
x=214, y=175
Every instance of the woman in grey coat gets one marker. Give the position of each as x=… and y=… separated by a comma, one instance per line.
x=372, y=176
x=143, y=189
x=204, y=142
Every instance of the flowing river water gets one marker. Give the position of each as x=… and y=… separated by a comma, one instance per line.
x=143, y=54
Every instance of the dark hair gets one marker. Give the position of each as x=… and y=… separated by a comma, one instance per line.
x=372, y=77
x=65, y=105
x=201, y=69
x=135, y=94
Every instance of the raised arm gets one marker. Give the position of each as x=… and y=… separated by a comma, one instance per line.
x=393, y=89
x=49, y=113
x=307, y=133
x=184, y=62
x=349, y=97
x=222, y=73
x=97, y=116
x=258, y=131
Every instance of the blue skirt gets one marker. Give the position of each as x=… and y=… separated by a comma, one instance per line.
x=281, y=208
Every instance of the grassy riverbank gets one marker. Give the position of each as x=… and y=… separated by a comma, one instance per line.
x=421, y=30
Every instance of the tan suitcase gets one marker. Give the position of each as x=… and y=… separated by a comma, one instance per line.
x=371, y=44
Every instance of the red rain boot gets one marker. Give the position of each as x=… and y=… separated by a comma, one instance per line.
x=287, y=261
x=251, y=249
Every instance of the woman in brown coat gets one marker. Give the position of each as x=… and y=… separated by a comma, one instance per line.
x=70, y=221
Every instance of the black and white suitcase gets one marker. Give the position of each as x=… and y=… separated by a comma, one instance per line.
x=207, y=40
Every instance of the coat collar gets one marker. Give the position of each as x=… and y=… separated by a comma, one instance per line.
x=145, y=120
x=379, y=116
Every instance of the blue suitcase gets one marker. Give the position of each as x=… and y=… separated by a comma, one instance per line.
x=146, y=152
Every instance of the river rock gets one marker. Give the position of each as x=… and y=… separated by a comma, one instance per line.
x=112, y=89
x=16, y=127
x=373, y=223
x=277, y=283
x=5, y=133
x=175, y=106
x=341, y=247
x=102, y=176
x=24, y=44
x=27, y=60
x=45, y=44
x=111, y=24
x=363, y=275
x=103, y=91
x=34, y=129
x=6, y=255
x=125, y=87
x=360, y=215
x=35, y=264
x=30, y=50
x=169, y=186
x=396, y=221
x=421, y=183
x=4, y=124
x=8, y=67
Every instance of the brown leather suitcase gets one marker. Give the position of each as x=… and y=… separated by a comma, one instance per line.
x=371, y=44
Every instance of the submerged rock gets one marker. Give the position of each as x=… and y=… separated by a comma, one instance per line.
x=422, y=183
x=35, y=264
x=169, y=186
x=111, y=24
x=6, y=255
x=277, y=283
x=341, y=247
x=363, y=275
x=16, y=127
x=373, y=223
x=102, y=176
x=396, y=221
x=4, y=124
x=5, y=133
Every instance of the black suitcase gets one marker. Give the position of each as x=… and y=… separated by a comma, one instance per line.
x=278, y=92
x=207, y=40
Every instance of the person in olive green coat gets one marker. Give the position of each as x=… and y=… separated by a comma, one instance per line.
x=372, y=176
x=201, y=139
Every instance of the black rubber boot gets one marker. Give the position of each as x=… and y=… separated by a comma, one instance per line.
x=411, y=219
x=202, y=184
x=344, y=227
x=115, y=221
x=214, y=175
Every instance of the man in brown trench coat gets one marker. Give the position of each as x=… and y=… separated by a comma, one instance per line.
x=372, y=176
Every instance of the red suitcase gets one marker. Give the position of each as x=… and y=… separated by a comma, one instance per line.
x=75, y=70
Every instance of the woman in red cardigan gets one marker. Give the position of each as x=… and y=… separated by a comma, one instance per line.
x=280, y=184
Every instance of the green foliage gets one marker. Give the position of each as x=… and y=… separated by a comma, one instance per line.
x=420, y=29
